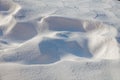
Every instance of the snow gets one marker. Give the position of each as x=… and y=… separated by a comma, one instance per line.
x=59, y=40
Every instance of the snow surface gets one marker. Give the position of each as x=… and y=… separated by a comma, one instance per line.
x=59, y=40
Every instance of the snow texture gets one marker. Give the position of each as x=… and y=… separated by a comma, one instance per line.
x=59, y=40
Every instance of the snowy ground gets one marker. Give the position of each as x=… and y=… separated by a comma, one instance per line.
x=59, y=40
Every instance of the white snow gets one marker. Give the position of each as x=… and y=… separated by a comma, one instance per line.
x=59, y=40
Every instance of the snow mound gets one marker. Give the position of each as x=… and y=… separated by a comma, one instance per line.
x=56, y=38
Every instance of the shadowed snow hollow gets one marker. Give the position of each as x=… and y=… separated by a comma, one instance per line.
x=8, y=7
x=22, y=31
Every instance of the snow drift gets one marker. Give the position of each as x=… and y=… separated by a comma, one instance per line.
x=44, y=45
